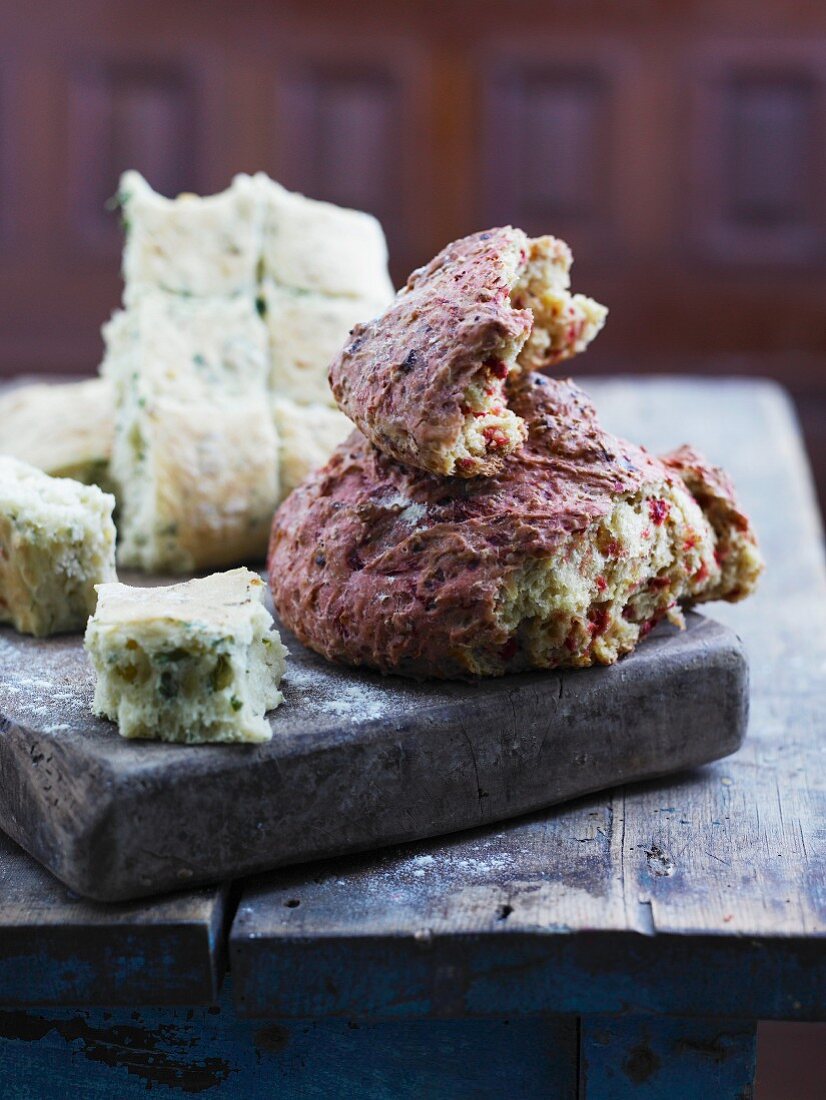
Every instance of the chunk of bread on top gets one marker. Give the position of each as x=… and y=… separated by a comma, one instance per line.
x=428, y=381
x=192, y=662
x=57, y=541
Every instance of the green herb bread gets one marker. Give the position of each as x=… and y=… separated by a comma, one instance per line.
x=191, y=245
x=195, y=456
x=192, y=662
x=307, y=330
x=307, y=436
x=65, y=429
x=57, y=541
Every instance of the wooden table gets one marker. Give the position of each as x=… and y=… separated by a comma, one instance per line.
x=623, y=945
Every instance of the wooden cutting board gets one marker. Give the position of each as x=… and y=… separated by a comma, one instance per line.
x=357, y=760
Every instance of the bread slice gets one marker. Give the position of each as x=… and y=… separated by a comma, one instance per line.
x=65, y=429
x=195, y=456
x=57, y=541
x=190, y=245
x=193, y=662
x=307, y=436
x=428, y=381
x=566, y=558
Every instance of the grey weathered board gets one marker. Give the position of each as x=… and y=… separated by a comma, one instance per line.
x=698, y=895
x=356, y=761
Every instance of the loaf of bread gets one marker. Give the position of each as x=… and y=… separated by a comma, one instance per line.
x=57, y=541
x=229, y=300
x=566, y=557
x=426, y=382
x=192, y=662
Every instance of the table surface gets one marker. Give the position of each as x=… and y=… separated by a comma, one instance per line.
x=704, y=893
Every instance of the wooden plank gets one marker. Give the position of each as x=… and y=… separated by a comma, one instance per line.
x=357, y=760
x=679, y=896
x=640, y=1058
x=56, y=948
x=97, y=1053
x=745, y=849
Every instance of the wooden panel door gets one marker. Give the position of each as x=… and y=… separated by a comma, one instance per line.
x=680, y=149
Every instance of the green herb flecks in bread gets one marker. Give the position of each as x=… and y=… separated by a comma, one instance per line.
x=192, y=662
x=57, y=541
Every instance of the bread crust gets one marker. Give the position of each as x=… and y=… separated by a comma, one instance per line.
x=374, y=563
x=736, y=552
x=402, y=378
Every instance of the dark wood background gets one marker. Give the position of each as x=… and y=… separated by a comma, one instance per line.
x=679, y=148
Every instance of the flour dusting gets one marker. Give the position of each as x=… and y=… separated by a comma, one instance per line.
x=47, y=686
x=337, y=694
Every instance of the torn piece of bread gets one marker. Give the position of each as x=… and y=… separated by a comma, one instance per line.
x=427, y=382
x=57, y=541
x=307, y=436
x=64, y=429
x=195, y=455
x=566, y=558
x=306, y=331
x=193, y=662
x=564, y=324
x=418, y=379
x=191, y=245
x=316, y=246
x=735, y=553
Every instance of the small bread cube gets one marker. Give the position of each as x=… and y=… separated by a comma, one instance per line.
x=312, y=245
x=307, y=331
x=57, y=541
x=307, y=436
x=64, y=429
x=191, y=245
x=192, y=662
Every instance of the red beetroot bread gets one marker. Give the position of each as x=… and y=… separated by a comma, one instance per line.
x=567, y=557
x=425, y=382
